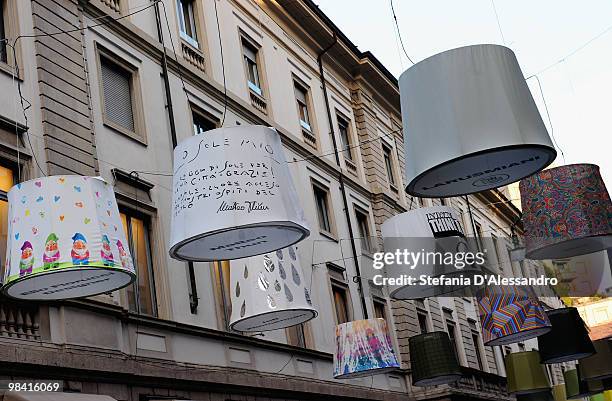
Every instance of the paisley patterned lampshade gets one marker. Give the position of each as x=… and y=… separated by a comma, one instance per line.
x=598, y=366
x=566, y=212
x=525, y=373
x=510, y=314
x=568, y=340
x=432, y=359
x=578, y=387
x=268, y=292
x=363, y=348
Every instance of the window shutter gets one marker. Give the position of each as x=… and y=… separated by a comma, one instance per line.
x=117, y=95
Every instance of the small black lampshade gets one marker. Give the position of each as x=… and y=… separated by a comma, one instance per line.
x=541, y=396
x=433, y=359
x=598, y=366
x=568, y=340
x=578, y=387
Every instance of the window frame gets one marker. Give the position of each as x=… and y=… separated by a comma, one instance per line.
x=342, y=287
x=147, y=223
x=308, y=126
x=379, y=303
x=10, y=18
x=139, y=134
x=423, y=314
x=388, y=160
x=201, y=114
x=362, y=216
x=316, y=186
x=193, y=19
x=479, y=355
x=256, y=88
x=346, y=148
x=222, y=294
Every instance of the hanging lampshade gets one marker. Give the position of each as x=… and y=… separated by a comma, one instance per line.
x=233, y=196
x=433, y=360
x=541, y=396
x=568, y=340
x=525, y=373
x=425, y=230
x=558, y=392
x=268, y=292
x=578, y=387
x=363, y=348
x=510, y=314
x=566, y=212
x=65, y=240
x=598, y=366
x=470, y=123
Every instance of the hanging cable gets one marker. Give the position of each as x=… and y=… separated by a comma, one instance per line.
x=399, y=34
x=552, y=131
x=222, y=64
x=501, y=32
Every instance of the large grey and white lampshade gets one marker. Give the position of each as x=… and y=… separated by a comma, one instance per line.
x=470, y=123
x=269, y=292
x=233, y=196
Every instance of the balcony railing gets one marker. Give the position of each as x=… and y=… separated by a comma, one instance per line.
x=19, y=320
x=114, y=5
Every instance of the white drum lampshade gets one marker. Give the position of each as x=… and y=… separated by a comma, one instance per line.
x=470, y=123
x=269, y=292
x=233, y=196
x=66, y=240
x=363, y=348
x=431, y=229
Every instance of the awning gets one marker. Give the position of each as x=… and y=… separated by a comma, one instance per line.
x=50, y=396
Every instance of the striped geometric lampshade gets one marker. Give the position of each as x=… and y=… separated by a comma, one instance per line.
x=559, y=392
x=566, y=212
x=510, y=314
x=598, y=366
x=433, y=359
x=568, y=340
x=525, y=373
x=577, y=387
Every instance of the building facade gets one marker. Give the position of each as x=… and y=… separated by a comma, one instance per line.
x=109, y=86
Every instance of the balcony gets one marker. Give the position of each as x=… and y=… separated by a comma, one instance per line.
x=19, y=320
x=114, y=5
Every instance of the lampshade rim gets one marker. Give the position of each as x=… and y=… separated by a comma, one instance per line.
x=314, y=313
x=567, y=358
x=288, y=224
x=410, y=187
x=531, y=391
x=425, y=381
x=507, y=339
x=367, y=372
x=534, y=254
x=5, y=287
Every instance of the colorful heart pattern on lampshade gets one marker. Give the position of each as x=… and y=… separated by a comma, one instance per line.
x=363, y=348
x=510, y=314
x=269, y=292
x=566, y=212
x=66, y=240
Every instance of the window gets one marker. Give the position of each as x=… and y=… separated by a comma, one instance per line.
x=345, y=141
x=423, y=324
x=389, y=164
x=506, y=350
x=187, y=21
x=221, y=274
x=3, y=54
x=380, y=309
x=494, y=243
x=141, y=295
x=340, y=303
x=249, y=53
x=201, y=123
x=120, y=99
x=521, y=347
x=322, y=202
x=450, y=327
x=442, y=201
x=6, y=182
x=364, y=231
x=301, y=98
x=476, y=343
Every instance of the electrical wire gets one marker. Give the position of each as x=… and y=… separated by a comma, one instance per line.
x=399, y=34
x=552, y=131
x=222, y=65
x=501, y=32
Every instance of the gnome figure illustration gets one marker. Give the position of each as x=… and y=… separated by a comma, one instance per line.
x=52, y=254
x=27, y=259
x=123, y=255
x=106, y=253
x=79, y=253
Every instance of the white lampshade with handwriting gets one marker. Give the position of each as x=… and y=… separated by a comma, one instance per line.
x=268, y=292
x=233, y=196
x=65, y=240
x=470, y=123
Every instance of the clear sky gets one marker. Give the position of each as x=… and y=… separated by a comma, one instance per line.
x=578, y=91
